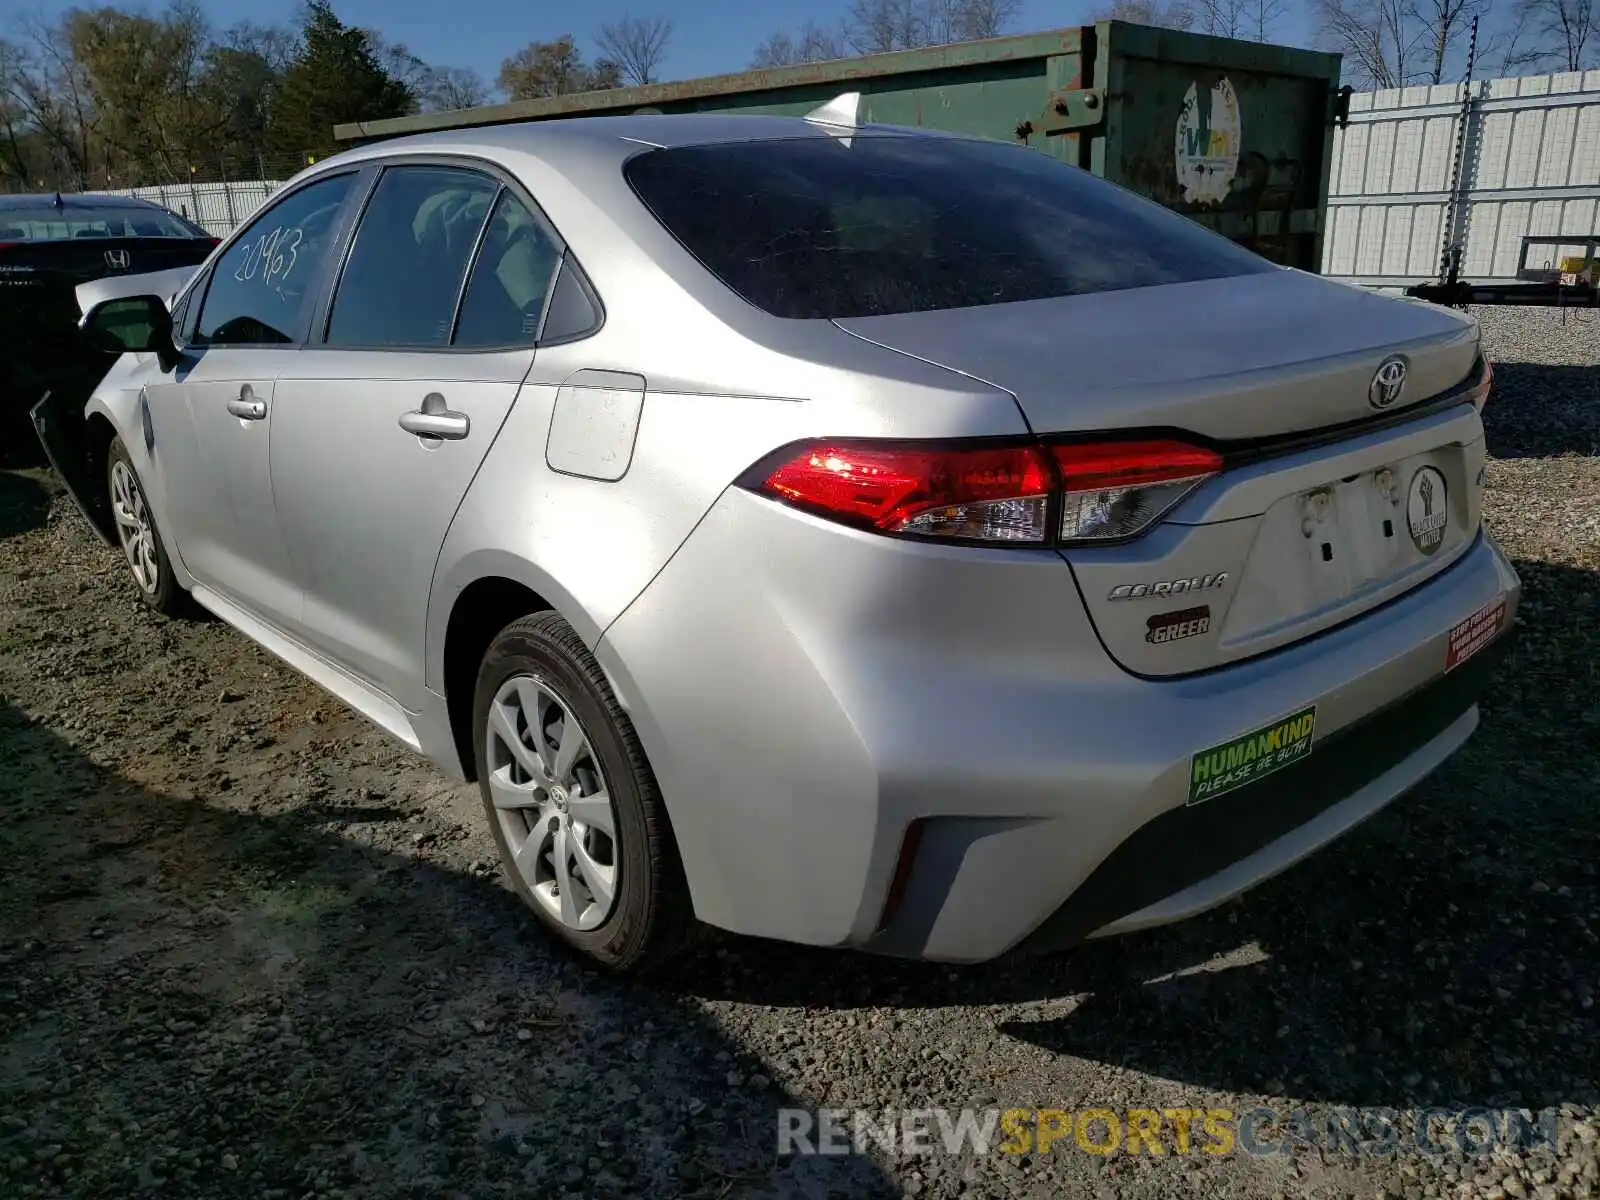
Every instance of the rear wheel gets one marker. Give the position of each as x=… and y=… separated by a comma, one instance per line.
x=141, y=542
x=572, y=802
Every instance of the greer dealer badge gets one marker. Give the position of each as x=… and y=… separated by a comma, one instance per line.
x=1174, y=626
x=1427, y=509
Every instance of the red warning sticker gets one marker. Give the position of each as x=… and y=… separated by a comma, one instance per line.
x=1476, y=632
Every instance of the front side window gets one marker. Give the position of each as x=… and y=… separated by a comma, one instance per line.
x=411, y=252
x=505, y=298
x=823, y=227
x=259, y=286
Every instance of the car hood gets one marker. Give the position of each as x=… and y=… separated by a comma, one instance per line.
x=1258, y=355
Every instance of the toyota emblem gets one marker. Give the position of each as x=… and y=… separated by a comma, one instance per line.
x=117, y=260
x=1387, y=383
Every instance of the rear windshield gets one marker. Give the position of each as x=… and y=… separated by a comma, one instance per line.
x=829, y=227
x=46, y=224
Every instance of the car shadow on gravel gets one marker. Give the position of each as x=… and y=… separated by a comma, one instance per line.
x=1539, y=410
x=1444, y=953
x=198, y=1002
x=24, y=504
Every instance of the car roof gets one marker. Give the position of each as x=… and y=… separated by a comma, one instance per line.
x=550, y=140
x=75, y=200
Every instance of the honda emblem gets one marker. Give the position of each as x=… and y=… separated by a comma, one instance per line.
x=117, y=260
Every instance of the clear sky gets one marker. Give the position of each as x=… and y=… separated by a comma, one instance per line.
x=709, y=36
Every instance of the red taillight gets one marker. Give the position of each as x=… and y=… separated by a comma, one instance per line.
x=1001, y=494
x=1116, y=490
x=988, y=493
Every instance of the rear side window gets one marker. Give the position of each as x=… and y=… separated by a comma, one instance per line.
x=505, y=297
x=827, y=227
x=410, y=256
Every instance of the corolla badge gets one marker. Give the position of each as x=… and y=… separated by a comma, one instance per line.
x=1387, y=382
x=1168, y=587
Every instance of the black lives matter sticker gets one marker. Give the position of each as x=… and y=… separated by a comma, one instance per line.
x=1175, y=626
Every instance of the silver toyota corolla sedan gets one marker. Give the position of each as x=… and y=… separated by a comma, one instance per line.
x=850, y=535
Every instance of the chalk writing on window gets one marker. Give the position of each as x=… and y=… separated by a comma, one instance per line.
x=272, y=256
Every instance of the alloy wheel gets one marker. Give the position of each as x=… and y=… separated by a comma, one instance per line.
x=552, y=804
x=134, y=528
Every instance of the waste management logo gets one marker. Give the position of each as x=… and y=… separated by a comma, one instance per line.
x=1163, y=1132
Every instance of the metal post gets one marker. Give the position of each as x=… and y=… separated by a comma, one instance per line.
x=227, y=190
x=1455, y=210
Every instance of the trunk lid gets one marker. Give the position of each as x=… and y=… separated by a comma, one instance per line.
x=1253, y=356
x=1285, y=548
x=1289, y=540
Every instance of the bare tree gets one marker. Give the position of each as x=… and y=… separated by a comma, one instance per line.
x=637, y=45
x=1222, y=18
x=1378, y=38
x=273, y=44
x=812, y=43
x=1262, y=15
x=1564, y=31
x=51, y=91
x=1442, y=23
x=1512, y=48
x=451, y=88
x=968, y=20
x=1168, y=14
x=879, y=26
x=1251, y=20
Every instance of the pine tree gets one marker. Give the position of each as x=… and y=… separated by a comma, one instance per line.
x=335, y=77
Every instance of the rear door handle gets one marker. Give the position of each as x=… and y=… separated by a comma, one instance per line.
x=246, y=407
x=434, y=420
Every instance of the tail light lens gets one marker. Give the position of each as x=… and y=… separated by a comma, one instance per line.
x=991, y=494
x=1111, y=491
x=985, y=494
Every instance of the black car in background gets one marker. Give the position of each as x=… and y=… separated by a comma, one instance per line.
x=49, y=245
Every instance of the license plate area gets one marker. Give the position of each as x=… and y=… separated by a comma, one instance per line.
x=1351, y=542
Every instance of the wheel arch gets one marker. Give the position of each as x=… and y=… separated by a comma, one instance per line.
x=486, y=592
x=98, y=434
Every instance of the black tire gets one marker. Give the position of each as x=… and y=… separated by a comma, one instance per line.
x=163, y=594
x=651, y=919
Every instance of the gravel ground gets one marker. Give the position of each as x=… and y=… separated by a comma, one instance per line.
x=248, y=946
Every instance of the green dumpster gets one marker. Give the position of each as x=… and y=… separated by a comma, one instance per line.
x=1237, y=135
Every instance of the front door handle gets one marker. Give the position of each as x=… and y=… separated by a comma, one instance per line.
x=434, y=420
x=246, y=407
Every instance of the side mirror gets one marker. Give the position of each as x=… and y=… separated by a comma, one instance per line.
x=132, y=325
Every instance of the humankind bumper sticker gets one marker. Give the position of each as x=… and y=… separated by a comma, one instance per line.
x=1245, y=759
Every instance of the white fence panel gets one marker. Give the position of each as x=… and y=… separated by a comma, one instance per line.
x=217, y=207
x=1530, y=165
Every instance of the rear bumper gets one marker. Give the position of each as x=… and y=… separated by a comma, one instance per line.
x=1191, y=859
x=808, y=694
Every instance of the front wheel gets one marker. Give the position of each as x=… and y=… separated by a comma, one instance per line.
x=572, y=802
x=137, y=533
